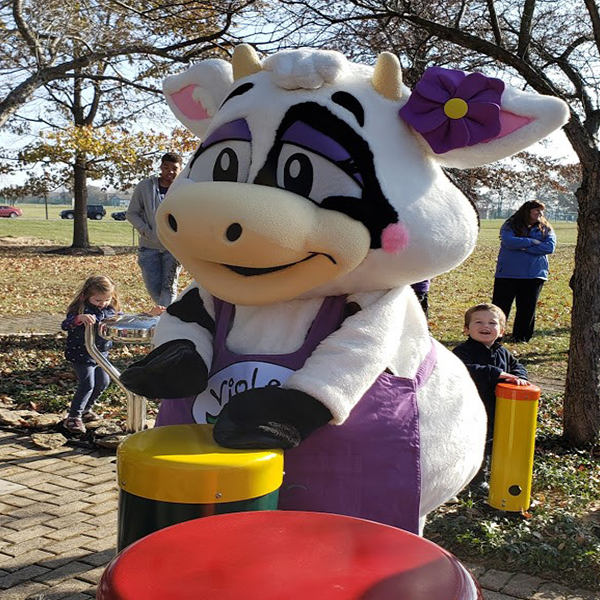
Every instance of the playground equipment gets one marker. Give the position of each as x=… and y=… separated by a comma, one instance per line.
x=285, y=554
x=514, y=442
x=176, y=473
x=123, y=328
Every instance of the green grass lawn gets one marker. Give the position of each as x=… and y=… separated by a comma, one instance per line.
x=38, y=211
x=33, y=223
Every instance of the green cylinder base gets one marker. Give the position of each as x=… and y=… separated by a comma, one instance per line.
x=139, y=517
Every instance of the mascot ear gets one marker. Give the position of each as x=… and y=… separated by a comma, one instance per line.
x=524, y=119
x=469, y=120
x=195, y=95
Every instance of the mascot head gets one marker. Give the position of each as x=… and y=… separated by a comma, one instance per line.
x=317, y=176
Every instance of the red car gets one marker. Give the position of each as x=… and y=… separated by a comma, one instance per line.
x=10, y=211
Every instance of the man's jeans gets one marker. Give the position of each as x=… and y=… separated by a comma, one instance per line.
x=160, y=271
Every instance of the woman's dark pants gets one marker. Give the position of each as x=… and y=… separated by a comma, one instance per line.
x=525, y=293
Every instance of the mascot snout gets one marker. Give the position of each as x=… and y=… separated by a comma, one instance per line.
x=249, y=242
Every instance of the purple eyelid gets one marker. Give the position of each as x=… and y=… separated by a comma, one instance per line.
x=304, y=135
x=234, y=130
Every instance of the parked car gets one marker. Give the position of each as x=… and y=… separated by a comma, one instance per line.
x=12, y=212
x=94, y=211
x=119, y=215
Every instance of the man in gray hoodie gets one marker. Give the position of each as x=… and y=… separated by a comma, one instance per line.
x=159, y=267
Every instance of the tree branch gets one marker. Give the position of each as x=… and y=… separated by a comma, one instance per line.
x=494, y=23
x=48, y=72
x=574, y=77
x=461, y=13
x=89, y=118
x=533, y=76
x=525, y=31
x=25, y=31
x=595, y=17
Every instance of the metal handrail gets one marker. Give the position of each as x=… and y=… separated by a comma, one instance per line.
x=136, y=405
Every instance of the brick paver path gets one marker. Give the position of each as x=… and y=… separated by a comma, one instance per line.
x=58, y=523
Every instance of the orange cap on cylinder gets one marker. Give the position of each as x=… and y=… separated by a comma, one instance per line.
x=510, y=391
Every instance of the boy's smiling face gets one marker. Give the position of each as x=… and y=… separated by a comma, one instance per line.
x=484, y=327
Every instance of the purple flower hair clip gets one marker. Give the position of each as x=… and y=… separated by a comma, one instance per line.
x=451, y=109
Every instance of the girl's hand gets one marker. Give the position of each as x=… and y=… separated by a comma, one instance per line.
x=155, y=311
x=85, y=319
x=508, y=378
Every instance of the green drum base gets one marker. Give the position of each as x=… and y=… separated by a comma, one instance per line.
x=140, y=516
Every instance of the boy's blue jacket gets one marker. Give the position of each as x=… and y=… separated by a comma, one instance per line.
x=485, y=365
x=520, y=257
x=75, y=349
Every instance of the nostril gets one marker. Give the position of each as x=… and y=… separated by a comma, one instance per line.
x=234, y=232
x=172, y=223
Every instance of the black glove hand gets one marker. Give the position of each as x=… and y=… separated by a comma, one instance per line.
x=270, y=417
x=173, y=370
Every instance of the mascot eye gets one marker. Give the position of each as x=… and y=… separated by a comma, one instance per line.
x=228, y=160
x=298, y=174
x=311, y=175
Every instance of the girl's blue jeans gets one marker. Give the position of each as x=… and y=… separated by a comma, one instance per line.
x=91, y=382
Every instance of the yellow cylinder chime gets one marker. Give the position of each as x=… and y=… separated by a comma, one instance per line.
x=513, y=446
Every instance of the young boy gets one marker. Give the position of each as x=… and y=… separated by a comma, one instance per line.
x=487, y=360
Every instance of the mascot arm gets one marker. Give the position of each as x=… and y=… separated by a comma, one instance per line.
x=334, y=378
x=346, y=364
x=177, y=366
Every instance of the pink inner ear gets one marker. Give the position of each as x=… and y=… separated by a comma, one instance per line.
x=189, y=107
x=394, y=238
x=510, y=122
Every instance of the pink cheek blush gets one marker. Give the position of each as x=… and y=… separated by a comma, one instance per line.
x=394, y=238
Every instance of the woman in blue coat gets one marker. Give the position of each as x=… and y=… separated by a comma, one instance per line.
x=526, y=239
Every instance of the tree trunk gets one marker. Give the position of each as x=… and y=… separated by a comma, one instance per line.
x=80, y=228
x=581, y=417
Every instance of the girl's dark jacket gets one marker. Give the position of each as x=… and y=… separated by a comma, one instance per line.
x=75, y=349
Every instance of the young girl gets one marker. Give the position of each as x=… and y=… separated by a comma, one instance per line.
x=95, y=301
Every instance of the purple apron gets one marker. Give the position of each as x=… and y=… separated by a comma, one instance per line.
x=232, y=373
x=368, y=467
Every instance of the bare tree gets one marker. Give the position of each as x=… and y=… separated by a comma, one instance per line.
x=47, y=40
x=552, y=47
x=99, y=64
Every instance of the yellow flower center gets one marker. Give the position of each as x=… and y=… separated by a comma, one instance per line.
x=456, y=108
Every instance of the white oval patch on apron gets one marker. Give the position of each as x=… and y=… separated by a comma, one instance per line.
x=233, y=380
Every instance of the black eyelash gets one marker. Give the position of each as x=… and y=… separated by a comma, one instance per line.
x=348, y=165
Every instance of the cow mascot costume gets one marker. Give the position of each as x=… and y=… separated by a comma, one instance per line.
x=315, y=199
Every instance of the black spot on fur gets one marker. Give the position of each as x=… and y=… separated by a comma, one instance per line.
x=351, y=309
x=190, y=309
x=373, y=209
x=349, y=102
x=245, y=87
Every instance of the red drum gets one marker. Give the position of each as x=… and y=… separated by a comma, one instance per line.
x=285, y=555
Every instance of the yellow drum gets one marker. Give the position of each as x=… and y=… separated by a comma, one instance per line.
x=172, y=474
x=513, y=446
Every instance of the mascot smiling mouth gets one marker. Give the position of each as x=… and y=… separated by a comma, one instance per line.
x=250, y=271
